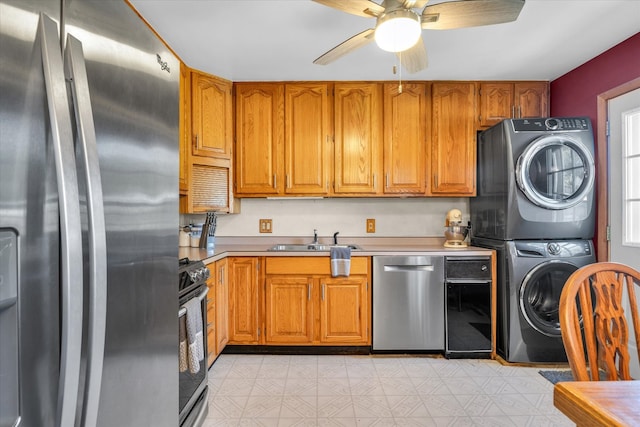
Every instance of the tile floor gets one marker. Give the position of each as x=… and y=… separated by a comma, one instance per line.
x=275, y=390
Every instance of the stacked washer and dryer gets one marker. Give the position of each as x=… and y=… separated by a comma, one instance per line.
x=536, y=207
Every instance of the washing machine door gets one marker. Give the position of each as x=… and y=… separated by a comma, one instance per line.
x=555, y=171
x=540, y=295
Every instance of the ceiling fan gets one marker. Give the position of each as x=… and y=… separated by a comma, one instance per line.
x=399, y=26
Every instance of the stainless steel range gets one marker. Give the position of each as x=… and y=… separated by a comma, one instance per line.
x=194, y=391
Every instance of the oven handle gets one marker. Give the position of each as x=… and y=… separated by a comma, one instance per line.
x=202, y=295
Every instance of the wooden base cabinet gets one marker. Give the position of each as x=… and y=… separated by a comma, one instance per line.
x=217, y=328
x=222, y=305
x=289, y=310
x=344, y=310
x=243, y=300
x=304, y=305
x=210, y=326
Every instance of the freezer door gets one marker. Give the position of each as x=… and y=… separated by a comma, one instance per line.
x=29, y=211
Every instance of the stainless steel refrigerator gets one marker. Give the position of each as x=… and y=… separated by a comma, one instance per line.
x=88, y=217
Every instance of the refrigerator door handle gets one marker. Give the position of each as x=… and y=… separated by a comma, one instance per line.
x=76, y=73
x=70, y=228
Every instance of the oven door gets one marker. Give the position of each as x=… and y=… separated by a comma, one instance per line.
x=193, y=386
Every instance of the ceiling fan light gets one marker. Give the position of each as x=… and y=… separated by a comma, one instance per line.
x=398, y=30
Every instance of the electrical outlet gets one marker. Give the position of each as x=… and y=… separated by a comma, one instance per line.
x=371, y=225
x=265, y=226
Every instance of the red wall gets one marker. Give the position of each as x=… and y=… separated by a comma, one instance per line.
x=575, y=93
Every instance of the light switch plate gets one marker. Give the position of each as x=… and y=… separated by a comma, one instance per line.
x=265, y=226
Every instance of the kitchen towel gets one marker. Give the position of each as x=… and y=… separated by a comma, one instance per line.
x=183, y=360
x=195, y=338
x=340, y=261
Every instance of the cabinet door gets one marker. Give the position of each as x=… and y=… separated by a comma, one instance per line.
x=243, y=300
x=222, y=305
x=210, y=330
x=453, y=151
x=405, y=138
x=496, y=102
x=259, y=138
x=185, y=127
x=344, y=310
x=212, y=116
x=531, y=99
x=358, y=137
x=307, y=133
x=210, y=186
x=289, y=310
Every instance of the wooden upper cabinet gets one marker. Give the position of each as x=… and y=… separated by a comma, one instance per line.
x=212, y=116
x=532, y=99
x=496, y=102
x=504, y=100
x=358, y=138
x=405, y=118
x=185, y=127
x=453, y=138
x=259, y=138
x=307, y=138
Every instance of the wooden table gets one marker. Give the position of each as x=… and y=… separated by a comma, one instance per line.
x=599, y=403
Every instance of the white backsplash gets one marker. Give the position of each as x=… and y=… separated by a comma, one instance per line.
x=411, y=217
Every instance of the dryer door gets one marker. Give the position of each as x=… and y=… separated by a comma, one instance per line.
x=540, y=295
x=555, y=171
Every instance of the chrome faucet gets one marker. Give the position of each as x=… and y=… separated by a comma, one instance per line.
x=315, y=236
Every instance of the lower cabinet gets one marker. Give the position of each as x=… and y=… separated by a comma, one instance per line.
x=217, y=310
x=222, y=305
x=289, y=310
x=304, y=305
x=344, y=310
x=243, y=300
x=211, y=317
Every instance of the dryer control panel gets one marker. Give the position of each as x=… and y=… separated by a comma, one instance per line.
x=554, y=248
x=565, y=124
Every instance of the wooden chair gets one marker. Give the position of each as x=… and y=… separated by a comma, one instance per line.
x=599, y=328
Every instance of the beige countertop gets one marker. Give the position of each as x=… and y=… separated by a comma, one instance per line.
x=258, y=246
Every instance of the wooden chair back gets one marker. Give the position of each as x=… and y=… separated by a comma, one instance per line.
x=599, y=328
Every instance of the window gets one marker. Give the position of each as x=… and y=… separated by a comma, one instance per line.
x=631, y=178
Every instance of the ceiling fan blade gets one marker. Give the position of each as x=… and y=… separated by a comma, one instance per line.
x=414, y=59
x=346, y=46
x=365, y=8
x=415, y=4
x=470, y=13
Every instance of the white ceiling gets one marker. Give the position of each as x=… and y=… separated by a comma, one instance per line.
x=265, y=40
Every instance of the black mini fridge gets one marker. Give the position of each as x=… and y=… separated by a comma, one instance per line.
x=468, y=313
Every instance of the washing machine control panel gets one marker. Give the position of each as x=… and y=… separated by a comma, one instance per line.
x=553, y=249
x=565, y=124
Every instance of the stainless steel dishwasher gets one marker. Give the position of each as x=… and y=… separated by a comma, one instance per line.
x=408, y=303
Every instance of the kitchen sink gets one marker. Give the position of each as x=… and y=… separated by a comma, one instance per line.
x=309, y=247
